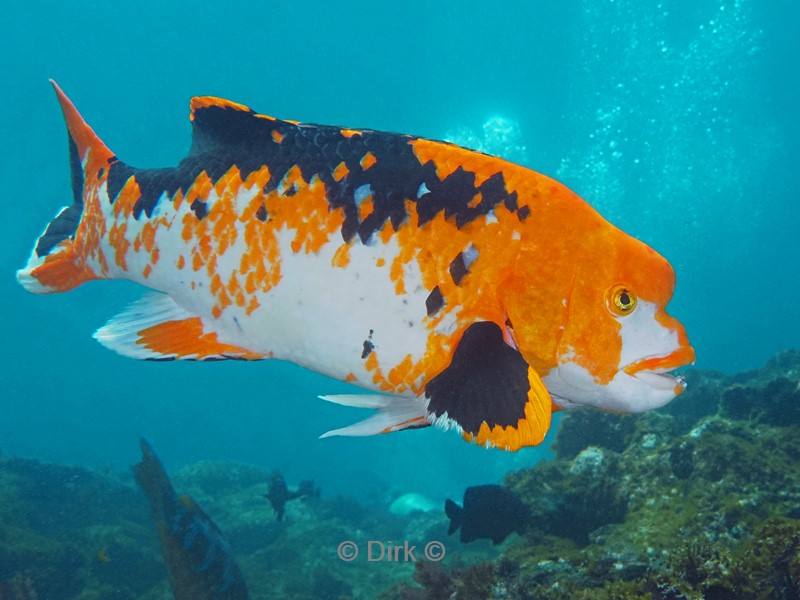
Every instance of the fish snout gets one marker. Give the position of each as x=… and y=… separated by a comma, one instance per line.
x=654, y=371
x=662, y=363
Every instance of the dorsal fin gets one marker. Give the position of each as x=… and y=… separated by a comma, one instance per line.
x=217, y=122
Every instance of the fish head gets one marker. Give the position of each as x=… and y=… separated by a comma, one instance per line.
x=610, y=342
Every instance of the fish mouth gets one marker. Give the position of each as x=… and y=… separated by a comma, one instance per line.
x=654, y=371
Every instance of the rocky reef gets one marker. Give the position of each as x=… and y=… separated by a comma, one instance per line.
x=698, y=500
x=68, y=532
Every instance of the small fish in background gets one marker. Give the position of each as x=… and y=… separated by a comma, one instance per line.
x=462, y=290
x=199, y=560
x=102, y=556
x=278, y=494
x=490, y=512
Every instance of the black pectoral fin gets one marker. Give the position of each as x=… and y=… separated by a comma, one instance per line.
x=487, y=381
x=490, y=392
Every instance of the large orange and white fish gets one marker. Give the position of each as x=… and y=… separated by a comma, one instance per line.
x=463, y=290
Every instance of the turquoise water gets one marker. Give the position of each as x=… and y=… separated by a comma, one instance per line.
x=677, y=120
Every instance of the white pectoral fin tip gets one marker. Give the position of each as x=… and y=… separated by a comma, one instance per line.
x=359, y=400
x=394, y=413
x=361, y=429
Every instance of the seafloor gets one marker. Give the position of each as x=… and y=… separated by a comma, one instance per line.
x=700, y=499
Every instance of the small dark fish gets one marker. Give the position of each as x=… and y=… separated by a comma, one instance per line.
x=490, y=512
x=279, y=494
x=199, y=560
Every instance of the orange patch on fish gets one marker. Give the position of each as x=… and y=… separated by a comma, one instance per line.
x=341, y=258
x=340, y=172
x=186, y=338
x=200, y=102
x=367, y=160
x=116, y=236
x=365, y=208
x=61, y=272
x=127, y=198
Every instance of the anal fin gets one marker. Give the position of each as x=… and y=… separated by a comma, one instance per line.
x=156, y=328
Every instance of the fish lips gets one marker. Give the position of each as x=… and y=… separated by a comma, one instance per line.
x=654, y=371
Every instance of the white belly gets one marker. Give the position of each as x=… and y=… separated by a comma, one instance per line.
x=320, y=316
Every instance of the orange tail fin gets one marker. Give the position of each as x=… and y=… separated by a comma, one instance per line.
x=55, y=264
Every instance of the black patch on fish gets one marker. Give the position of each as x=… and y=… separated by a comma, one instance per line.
x=225, y=136
x=291, y=191
x=368, y=345
x=153, y=183
x=66, y=223
x=76, y=173
x=511, y=201
x=100, y=172
x=458, y=268
x=486, y=382
x=455, y=192
x=450, y=195
x=59, y=229
x=199, y=208
x=261, y=213
x=434, y=302
x=490, y=512
x=367, y=227
x=523, y=213
x=493, y=192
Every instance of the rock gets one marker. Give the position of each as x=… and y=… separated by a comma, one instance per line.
x=413, y=502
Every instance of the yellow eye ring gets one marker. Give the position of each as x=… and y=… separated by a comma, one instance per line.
x=621, y=301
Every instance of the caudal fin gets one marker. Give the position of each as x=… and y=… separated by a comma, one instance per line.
x=454, y=512
x=56, y=263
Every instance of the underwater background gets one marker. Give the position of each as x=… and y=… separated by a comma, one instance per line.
x=678, y=120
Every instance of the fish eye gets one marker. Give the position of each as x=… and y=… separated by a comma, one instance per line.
x=621, y=301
